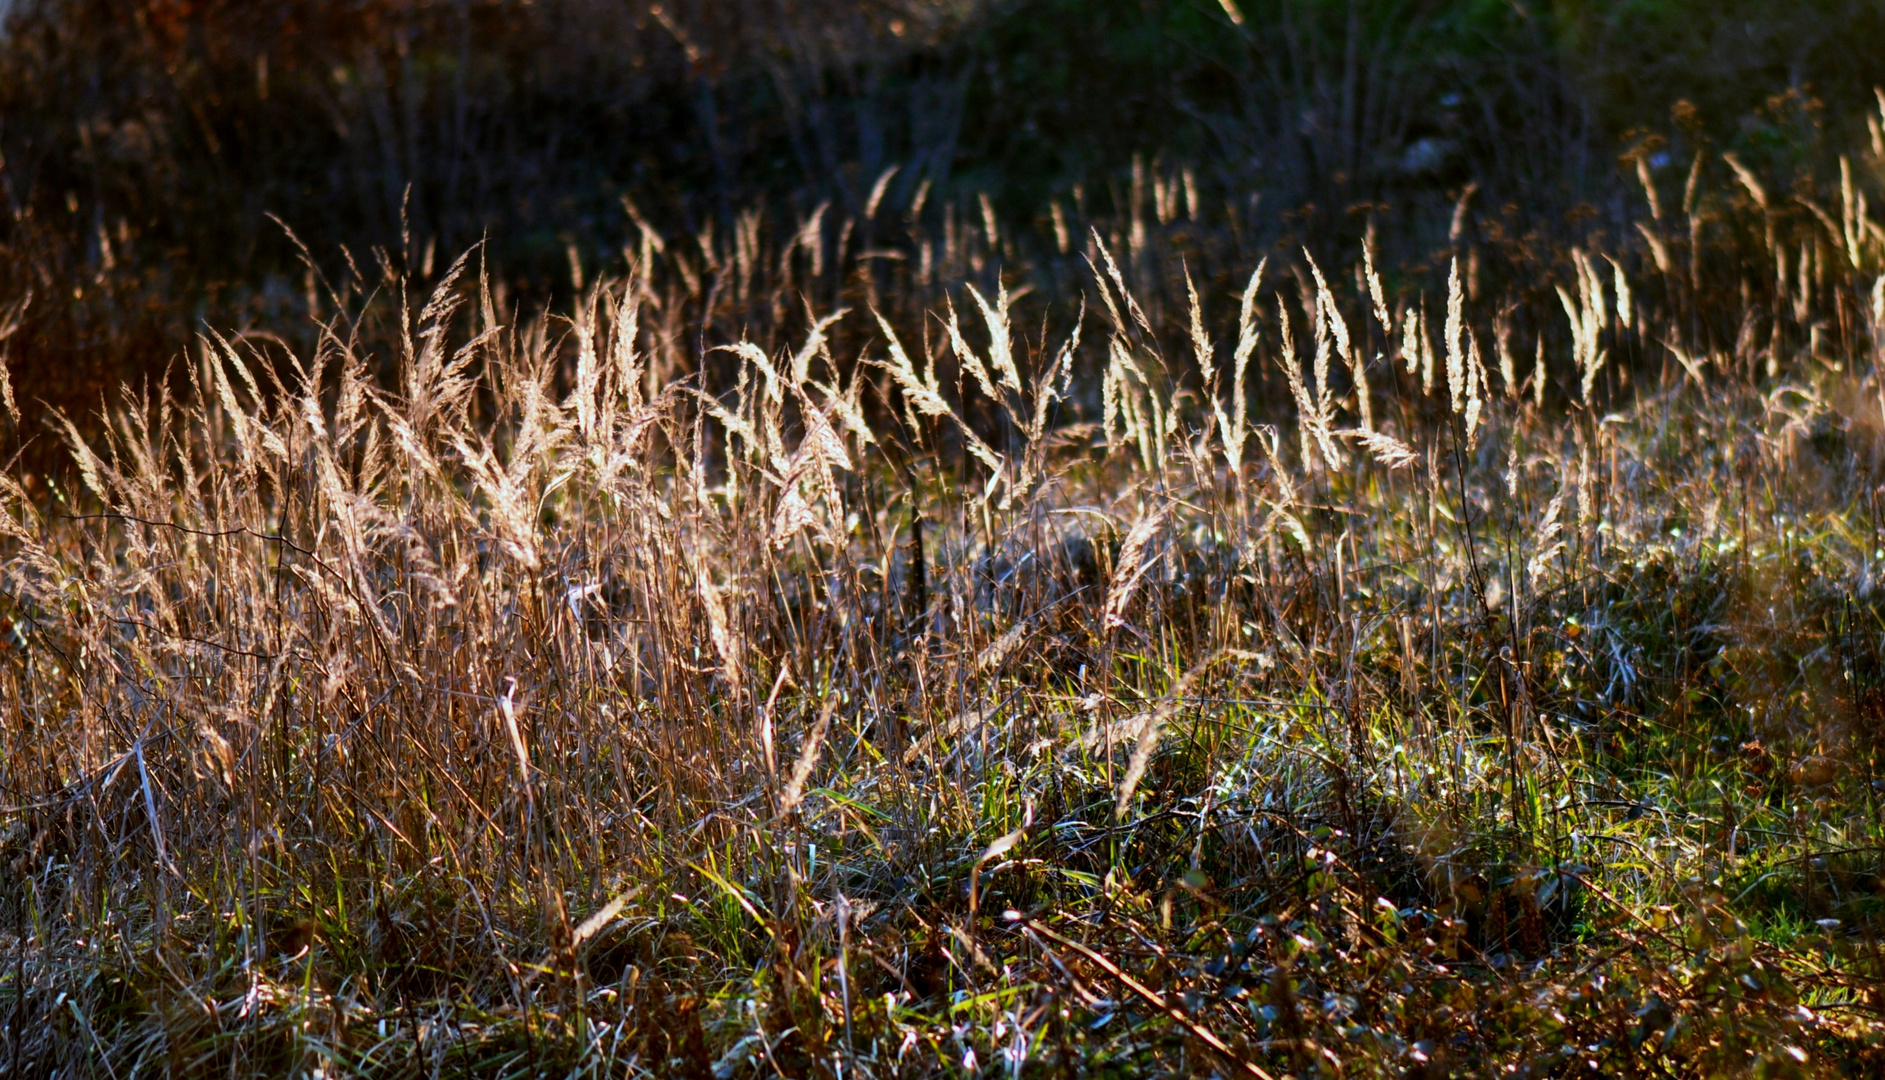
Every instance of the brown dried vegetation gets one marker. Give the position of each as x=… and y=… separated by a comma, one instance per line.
x=779, y=663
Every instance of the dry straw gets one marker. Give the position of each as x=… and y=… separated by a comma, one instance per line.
x=250, y=662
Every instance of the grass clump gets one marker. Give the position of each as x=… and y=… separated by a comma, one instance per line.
x=1291, y=678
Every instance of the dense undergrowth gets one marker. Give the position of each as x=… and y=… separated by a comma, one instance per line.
x=1297, y=675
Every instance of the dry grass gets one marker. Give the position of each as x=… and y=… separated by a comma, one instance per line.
x=1322, y=691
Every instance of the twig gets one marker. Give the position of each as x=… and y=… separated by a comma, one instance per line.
x=1151, y=997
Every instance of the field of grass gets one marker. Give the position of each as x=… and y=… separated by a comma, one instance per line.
x=842, y=648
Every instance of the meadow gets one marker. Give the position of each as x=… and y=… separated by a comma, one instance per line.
x=892, y=637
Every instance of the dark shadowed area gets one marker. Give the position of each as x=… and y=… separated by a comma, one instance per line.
x=154, y=154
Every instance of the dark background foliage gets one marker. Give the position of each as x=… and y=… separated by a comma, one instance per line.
x=148, y=144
